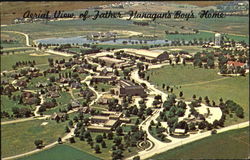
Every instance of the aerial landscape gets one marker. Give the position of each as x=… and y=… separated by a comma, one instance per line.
x=124, y=80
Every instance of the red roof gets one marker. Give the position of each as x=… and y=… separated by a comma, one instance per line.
x=235, y=63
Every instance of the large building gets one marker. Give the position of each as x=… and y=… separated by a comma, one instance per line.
x=151, y=56
x=217, y=39
x=107, y=121
x=128, y=88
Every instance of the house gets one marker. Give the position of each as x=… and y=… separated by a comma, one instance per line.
x=75, y=104
x=151, y=56
x=53, y=94
x=179, y=131
x=106, y=71
x=21, y=83
x=41, y=85
x=55, y=116
x=107, y=121
x=128, y=88
x=236, y=64
x=83, y=109
x=75, y=85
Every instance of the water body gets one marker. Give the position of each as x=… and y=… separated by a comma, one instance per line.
x=82, y=40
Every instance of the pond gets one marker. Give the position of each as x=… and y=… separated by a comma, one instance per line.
x=82, y=40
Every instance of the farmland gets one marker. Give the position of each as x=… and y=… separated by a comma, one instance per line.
x=229, y=145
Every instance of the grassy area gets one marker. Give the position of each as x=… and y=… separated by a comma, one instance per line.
x=235, y=89
x=18, y=40
x=106, y=153
x=203, y=82
x=8, y=60
x=104, y=86
x=16, y=142
x=61, y=152
x=229, y=145
x=180, y=75
x=62, y=101
x=7, y=104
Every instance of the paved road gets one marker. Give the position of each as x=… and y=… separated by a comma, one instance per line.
x=159, y=146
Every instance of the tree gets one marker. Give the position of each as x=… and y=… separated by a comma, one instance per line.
x=136, y=158
x=67, y=130
x=104, y=144
x=59, y=140
x=181, y=94
x=72, y=140
x=97, y=149
x=38, y=143
x=239, y=112
x=110, y=135
x=119, y=131
x=99, y=138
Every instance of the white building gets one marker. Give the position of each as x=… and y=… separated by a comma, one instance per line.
x=217, y=39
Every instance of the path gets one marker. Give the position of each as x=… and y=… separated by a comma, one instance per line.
x=59, y=53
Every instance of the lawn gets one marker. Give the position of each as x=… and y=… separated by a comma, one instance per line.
x=8, y=60
x=7, y=104
x=61, y=152
x=104, y=86
x=179, y=75
x=228, y=145
x=18, y=40
x=236, y=89
x=62, y=101
x=17, y=142
x=106, y=153
x=203, y=82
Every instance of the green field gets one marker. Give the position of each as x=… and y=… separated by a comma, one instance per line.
x=204, y=82
x=8, y=60
x=106, y=153
x=19, y=137
x=62, y=101
x=228, y=145
x=7, y=104
x=19, y=40
x=204, y=35
x=179, y=75
x=61, y=152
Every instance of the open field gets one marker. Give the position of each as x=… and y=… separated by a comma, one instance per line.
x=177, y=75
x=203, y=82
x=19, y=40
x=7, y=104
x=104, y=86
x=16, y=142
x=61, y=152
x=228, y=145
x=105, y=152
x=8, y=60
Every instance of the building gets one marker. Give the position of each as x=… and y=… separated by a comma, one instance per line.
x=128, y=88
x=217, y=39
x=151, y=56
x=107, y=121
x=236, y=64
x=103, y=79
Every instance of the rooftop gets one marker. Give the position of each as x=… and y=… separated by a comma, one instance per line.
x=143, y=52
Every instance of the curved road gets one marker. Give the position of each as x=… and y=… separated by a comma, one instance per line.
x=159, y=146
